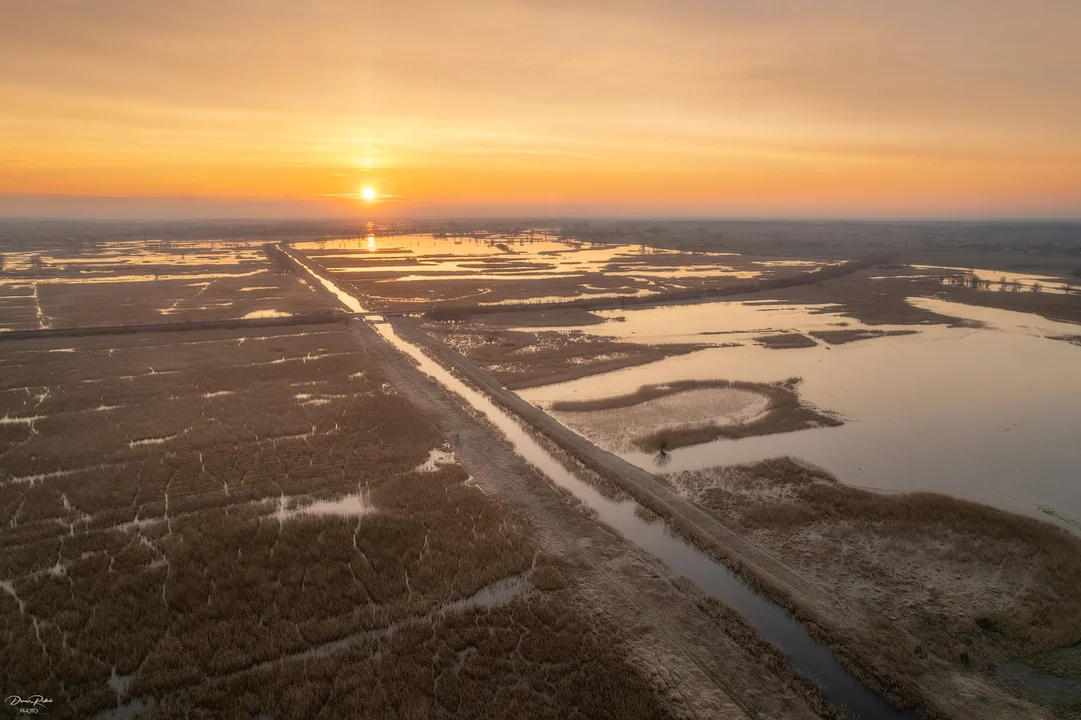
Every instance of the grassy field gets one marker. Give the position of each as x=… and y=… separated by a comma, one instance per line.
x=937, y=590
x=155, y=548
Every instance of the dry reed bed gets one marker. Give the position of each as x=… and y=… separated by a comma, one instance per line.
x=540, y=657
x=785, y=412
x=170, y=564
x=527, y=358
x=921, y=584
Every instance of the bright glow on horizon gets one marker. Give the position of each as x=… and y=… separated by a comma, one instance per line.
x=368, y=194
x=831, y=108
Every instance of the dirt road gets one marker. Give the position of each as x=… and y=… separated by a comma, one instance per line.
x=702, y=529
x=701, y=669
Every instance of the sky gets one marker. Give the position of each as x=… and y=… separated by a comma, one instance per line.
x=701, y=108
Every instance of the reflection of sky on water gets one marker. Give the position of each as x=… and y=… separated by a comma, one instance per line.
x=986, y=414
x=423, y=258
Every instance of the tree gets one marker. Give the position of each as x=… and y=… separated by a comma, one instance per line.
x=1, y=262
x=1036, y=287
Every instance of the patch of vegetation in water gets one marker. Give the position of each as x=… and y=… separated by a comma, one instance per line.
x=785, y=341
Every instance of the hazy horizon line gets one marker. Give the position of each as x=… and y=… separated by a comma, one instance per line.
x=529, y=217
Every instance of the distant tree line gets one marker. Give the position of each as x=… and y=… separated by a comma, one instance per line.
x=974, y=281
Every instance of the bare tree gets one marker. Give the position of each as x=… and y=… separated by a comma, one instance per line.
x=1036, y=287
x=664, y=456
x=1, y=262
x=1003, y=283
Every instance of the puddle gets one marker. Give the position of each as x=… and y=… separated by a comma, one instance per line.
x=120, y=683
x=436, y=457
x=772, y=622
x=256, y=314
x=24, y=420
x=498, y=593
x=150, y=441
x=353, y=505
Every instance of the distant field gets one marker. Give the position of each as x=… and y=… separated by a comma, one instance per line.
x=493, y=270
x=140, y=283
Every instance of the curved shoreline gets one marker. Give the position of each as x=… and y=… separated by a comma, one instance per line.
x=784, y=413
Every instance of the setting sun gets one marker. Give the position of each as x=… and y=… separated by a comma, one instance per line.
x=367, y=194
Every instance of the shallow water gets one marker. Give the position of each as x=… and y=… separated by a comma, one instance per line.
x=772, y=622
x=352, y=505
x=1049, y=283
x=427, y=259
x=257, y=314
x=988, y=414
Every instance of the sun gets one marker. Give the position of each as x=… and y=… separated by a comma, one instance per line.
x=367, y=193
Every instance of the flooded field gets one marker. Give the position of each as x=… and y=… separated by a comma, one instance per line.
x=121, y=283
x=394, y=504
x=919, y=410
x=879, y=382
x=493, y=270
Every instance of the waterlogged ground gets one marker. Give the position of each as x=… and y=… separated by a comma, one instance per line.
x=122, y=283
x=985, y=413
x=226, y=523
x=415, y=270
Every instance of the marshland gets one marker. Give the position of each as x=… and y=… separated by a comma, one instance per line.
x=597, y=471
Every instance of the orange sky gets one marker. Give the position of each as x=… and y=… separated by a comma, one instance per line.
x=685, y=107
